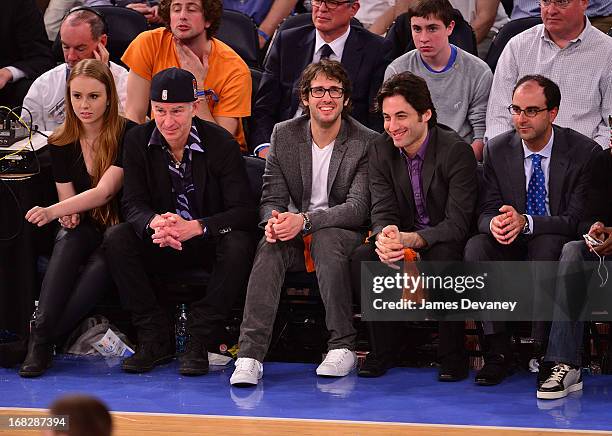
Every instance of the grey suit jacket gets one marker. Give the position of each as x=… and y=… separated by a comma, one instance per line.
x=569, y=177
x=288, y=174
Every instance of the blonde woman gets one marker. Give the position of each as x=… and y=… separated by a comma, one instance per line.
x=88, y=173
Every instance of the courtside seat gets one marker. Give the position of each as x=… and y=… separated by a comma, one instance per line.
x=239, y=31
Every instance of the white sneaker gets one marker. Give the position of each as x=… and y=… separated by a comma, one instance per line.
x=563, y=380
x=247, y=373
x=338, y=363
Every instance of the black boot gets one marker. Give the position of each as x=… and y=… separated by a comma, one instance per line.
x=155, y=346
x=376, y=366
x=494, y=371
x=38, y=359
x=454, y=368
x=148, y=355
x=194, y=361
x=497, y=360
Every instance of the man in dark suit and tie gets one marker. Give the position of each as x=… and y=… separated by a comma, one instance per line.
x=535, y=181
x=423, y=186
x=187, y=202
x=315, y=196
x=363, y=55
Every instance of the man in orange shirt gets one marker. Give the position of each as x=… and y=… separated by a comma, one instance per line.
x=223, y=78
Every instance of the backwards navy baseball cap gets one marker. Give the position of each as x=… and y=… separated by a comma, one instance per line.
x=173, y=85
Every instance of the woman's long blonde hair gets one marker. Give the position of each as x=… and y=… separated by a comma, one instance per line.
x=108, y=139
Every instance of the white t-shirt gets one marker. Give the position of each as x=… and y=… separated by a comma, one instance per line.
x=320, y=170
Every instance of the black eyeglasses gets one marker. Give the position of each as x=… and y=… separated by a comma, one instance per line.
x=559, y=3
x=334, y=91
x=529, y=112
x=331, y=4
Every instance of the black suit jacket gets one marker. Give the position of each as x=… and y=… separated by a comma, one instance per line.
x=364, y=57
x=222, y=191
x=569, y=175
x=25, y=44
x=448, y=182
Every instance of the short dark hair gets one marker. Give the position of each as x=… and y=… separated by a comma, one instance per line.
x=87, y=415
x=332, y=70
x=85, y=14
x=414, y=90
x=441, y=9
x=551, y=89
x=211, y=11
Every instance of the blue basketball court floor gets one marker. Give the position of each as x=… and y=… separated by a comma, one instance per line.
x=289, y=390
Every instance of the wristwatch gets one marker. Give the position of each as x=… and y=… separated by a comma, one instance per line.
x=148, y=229
x=526, y=226
x=202, y=226
x=307, y=223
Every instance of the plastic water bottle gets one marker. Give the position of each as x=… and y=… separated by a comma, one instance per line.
x=180, y=331
x=34, y=316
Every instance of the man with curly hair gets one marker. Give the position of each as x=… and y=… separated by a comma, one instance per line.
x=187, y=41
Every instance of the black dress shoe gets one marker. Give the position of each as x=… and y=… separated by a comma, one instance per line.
x=493, y=372
x=38, y=359
x=194, y=361
x=374, y=367
x=148, y=356
x=452, y=370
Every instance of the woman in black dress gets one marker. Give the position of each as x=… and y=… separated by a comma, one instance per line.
x=88, y=173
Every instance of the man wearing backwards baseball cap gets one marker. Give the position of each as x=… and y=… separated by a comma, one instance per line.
x=187, y=202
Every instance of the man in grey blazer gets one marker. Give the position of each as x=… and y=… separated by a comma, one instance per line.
x=535, y=182
x=315, y=193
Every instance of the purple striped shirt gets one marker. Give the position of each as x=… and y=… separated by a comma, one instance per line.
x=414, y=165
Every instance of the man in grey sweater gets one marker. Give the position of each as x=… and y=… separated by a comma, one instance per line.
x=458, y=81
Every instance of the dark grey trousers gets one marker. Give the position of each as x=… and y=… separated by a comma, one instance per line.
x=330, y=251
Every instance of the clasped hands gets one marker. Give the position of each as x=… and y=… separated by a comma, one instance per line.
x=390, y=244
x=171, y=230
x=283, y=226
x=506, y=226
x=44, y=215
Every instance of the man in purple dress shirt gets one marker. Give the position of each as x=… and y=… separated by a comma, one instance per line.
x=424, y=188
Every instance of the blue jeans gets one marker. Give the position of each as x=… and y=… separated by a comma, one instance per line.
x=565, y=339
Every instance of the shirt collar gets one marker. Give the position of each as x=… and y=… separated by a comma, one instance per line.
x=337, y=45
x=451, y=61
x=422, y=149
x=194, y=142
x=587, y=28
x=545, y=152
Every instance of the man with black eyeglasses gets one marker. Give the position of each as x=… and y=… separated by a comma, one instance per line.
x=567, y=49
x=363, y=54
x=536, y=178
x=314, y=204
